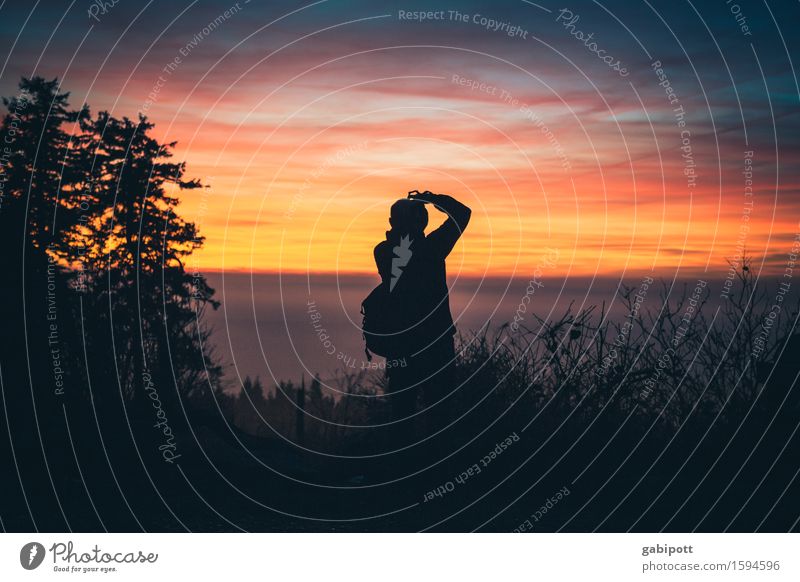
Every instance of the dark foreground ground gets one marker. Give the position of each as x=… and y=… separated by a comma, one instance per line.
x=576, y=477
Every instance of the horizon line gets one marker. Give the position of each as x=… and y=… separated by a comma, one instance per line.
x=687, y=271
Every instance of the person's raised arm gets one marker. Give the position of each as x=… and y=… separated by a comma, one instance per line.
x=458, y=214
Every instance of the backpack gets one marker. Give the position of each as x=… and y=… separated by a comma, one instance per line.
x=385, y=316
x=379, y=323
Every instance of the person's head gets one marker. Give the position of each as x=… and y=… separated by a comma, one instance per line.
x=408, y=216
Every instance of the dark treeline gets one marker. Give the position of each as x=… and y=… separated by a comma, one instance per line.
x=104, y=352
x=114, y=417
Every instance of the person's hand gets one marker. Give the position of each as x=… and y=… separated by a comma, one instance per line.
x=426, y=196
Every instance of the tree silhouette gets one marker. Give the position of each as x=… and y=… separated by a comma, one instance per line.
x=102, y=319
x=130, y=246
x=37, y=167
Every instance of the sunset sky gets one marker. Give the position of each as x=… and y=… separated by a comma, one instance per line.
x=308, y=120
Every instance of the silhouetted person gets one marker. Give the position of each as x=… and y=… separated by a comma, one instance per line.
x=413, y=266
